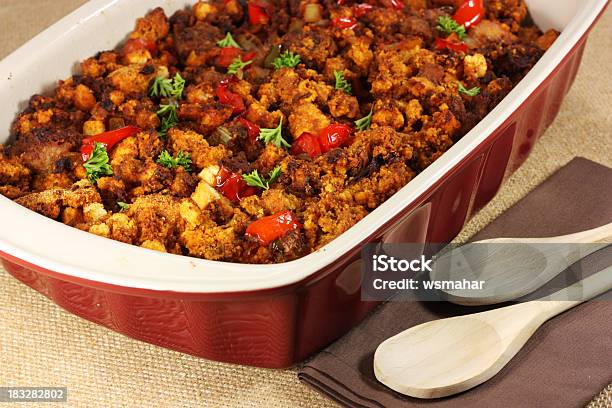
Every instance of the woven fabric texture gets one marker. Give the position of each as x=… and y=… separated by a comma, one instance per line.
x=41, y=344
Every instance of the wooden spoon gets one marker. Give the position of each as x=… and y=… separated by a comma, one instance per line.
x=448, y=356
x=513, y=267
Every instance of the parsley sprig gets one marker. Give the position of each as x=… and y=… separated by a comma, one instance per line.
x=161, y=87
x=168, y=110
x=228, y=41
x=169, y=117
x=173, y=90
x=469, y=92
x=97, y=165
x=167, y=123
x=123, y=206
x=254, y=179
x=365, y=122
x=178, y=83
x=448, y=26
x=274, y=136
x=341, y=82
x=286, y=59
x=168, y=88
x=182, y=159
x=237, y=66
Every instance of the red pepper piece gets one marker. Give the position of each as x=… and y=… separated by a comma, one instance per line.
x=257, y=14
x=334, y=136
x=86, y=151
x=249, y=56
x=306, y=143
x=344, y=23
x=360, y=10
x=108, y=139
x=232, y=185
x=227, y=55
x=229, y=80
x=397, y=4
x=470, y=13
x=135, y=44
x=230, y=98
x=272, y=227
x=442, y=43
x=252, y=129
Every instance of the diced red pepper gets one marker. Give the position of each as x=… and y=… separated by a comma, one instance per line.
x=108, y=139
x=227, y=55
x=232, y=185
x=470, y=13
x=360, y=10
x=252, y=129
x=334, y=136
x=257, y=14
x=442, y=43
x=230, y=98
x=344, y=23
x=397, y=4
x=135, y=44
x=272, y=227
x=306, y=143
x=86, y=151
x=248, y=57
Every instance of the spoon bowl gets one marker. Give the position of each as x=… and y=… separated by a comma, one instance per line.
x=410, y=355
x=448, y=356
x=510, y=268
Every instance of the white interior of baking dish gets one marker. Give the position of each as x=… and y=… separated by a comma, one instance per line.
x=102, y=24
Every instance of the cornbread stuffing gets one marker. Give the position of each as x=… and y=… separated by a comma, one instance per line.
x=259, y=131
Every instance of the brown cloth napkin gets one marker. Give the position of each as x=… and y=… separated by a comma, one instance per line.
x=566, y=362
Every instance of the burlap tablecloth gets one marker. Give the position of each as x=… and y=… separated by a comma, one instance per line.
x=40, y=344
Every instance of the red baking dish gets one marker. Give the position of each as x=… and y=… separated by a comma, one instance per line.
x=263, y=315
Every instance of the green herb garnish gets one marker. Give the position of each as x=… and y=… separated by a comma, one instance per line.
x=254, y=179
x=169, y=117
x=286, y=59
x=274, y=174
x=237, y=65
x=166, y=125
x=172, y=89
x=228, y=41
x=123, y=206
x=168, y=110
x=341, y=82
x=274, y=136
x=365, y=122
x=448, y=26
x=181, y=159
x=161, y=87
x=178, y=86
x=166, y=88
x=469, y=92
x=97, y=165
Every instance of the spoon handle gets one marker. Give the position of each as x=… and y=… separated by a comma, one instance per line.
x=579, y=292
x=599, y=234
